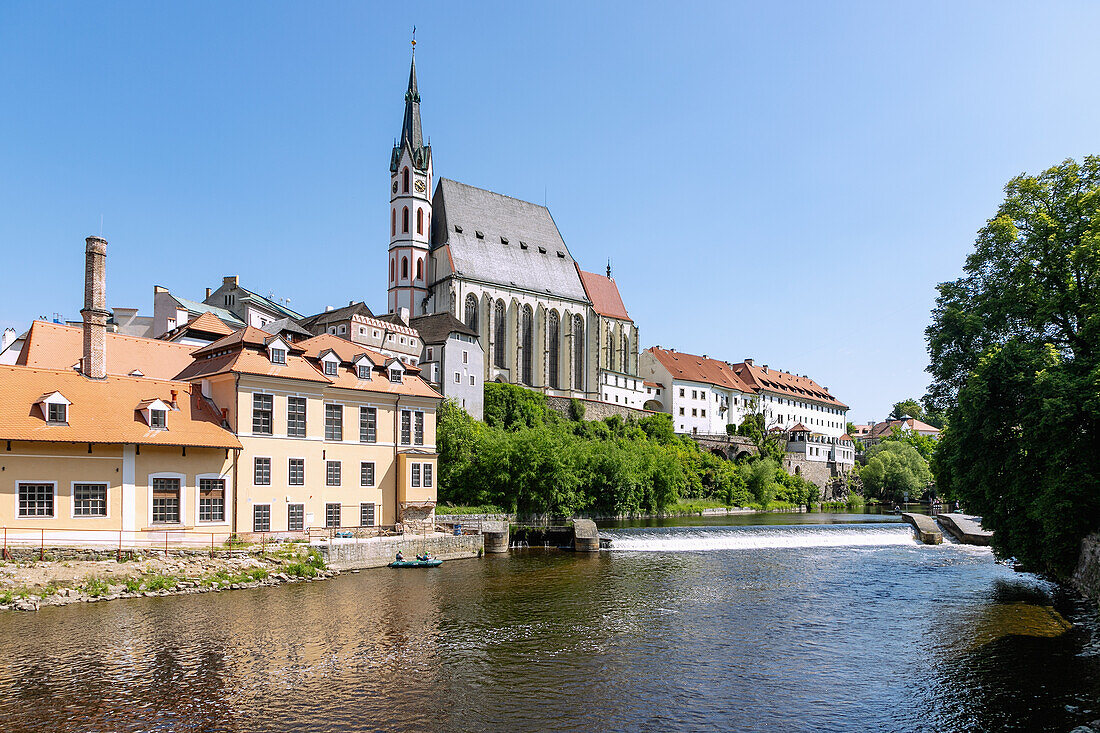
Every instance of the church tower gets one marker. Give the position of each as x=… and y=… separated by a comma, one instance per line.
x=410, y=209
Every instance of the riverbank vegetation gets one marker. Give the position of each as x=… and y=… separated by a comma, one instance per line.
x=529, y=460
x=1015, y=359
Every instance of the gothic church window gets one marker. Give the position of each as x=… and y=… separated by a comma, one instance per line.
x=528, y=345
x=419, y=268
x=405, y=220
x=404, y=268
x=419, y=220
x=553, y=331
x=499, y=334
x=578, y=352
x=471, y=312
x=405, y=180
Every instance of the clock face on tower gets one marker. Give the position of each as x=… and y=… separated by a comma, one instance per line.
x=395, y=186
x=419, y=185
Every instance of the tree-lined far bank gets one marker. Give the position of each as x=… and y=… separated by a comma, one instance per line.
x=527, y=459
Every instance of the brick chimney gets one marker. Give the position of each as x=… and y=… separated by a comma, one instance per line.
x=94, y=312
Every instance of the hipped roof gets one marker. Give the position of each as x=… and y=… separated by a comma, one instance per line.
x=106, y=410
x=54, y=346
x=694, y=368
x=604, y=294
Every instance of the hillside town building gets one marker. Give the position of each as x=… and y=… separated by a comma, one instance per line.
x=705, y=396
x=249, y=432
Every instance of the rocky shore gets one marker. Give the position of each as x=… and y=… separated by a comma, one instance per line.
x=32, y=585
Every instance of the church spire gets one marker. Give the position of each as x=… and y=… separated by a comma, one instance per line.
x=412, y=136
x=411, y=133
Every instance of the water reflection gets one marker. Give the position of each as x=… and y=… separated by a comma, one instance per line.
x=794, y=637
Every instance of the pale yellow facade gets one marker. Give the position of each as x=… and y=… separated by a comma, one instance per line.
x=126, y=473
x=274, y=497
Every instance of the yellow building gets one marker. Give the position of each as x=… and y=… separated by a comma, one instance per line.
x=333, y=435
x=89, y=458
x=110, y=433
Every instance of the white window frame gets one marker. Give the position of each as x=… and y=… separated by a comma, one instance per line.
x=226, y=497
x=183, y=497
x=72, y=500
x=32, y=481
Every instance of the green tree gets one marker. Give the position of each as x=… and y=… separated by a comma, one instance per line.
x=909, y=407
x=1014, y=347
x=925, y=444
x=510, y=406
x=895, y=470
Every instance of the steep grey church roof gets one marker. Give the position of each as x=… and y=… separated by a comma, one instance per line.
x=502, y=240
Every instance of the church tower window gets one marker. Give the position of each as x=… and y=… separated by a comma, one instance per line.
x=391, y=270
x=419, y=220
x=405, y=180
x=419, y=268
x=471, y=312
x=499, y=334
x=405, y=220
x=528, y=345
x=554, y=334
x=404, y=268
x=393, y=222
x=578, y=352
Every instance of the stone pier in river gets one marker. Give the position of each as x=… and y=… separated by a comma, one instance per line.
x=925, y=528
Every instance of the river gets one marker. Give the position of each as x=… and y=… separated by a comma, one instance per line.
x=808, y=622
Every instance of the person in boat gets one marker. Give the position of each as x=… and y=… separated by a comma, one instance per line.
x=400, y=557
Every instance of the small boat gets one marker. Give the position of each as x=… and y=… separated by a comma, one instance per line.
x=433, y=563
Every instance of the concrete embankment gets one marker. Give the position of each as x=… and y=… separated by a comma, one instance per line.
x=966, y=529
x=924, y=527
x=374, y=552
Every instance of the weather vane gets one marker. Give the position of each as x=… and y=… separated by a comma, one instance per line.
x=414, y=38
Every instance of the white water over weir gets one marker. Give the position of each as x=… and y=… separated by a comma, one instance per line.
x=685, y=539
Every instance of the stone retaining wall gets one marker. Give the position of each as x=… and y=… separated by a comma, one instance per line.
x=594, y=409
x=348, y=554
x=1086, y=578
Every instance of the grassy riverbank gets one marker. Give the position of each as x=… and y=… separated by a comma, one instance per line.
x=32, y=584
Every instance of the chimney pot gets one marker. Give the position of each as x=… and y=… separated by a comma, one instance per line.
x=749, y=362
x=175, y=395
x=208, y=291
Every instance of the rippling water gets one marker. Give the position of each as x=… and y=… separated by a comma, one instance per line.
x=796, y=627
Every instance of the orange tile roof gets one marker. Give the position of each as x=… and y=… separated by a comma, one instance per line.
x=694, y=368
x=54, y=346
x=800, y=428
x=106, y=410
x=249, y=335
x=786, y=384
x=347, y=378
x=604, y=294
x=247, y=355
x=884, y=428
x=846, y=437
x=243, y=360
x=206, y=322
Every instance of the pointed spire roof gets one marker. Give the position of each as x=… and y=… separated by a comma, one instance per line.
x=412, y=135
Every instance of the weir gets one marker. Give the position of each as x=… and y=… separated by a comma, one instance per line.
x=925, y=528
x=757, y=537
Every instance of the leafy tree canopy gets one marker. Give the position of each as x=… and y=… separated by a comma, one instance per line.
x=1015, y=360
x=895, y=470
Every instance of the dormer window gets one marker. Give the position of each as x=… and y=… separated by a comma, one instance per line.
x=395, y=376
x=330, y=367
x=57, y=412
x=278, y=356
x=158, y=419
x=55, y=408
x=364, y=371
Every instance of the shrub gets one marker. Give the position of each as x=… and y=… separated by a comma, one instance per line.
x=576, y=409
x=95, y=587
x=160, y=582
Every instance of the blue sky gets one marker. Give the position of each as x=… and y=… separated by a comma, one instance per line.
x=781, y=181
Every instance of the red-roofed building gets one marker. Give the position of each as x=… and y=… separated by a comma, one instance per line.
x=705, y=395
x=616, y=368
